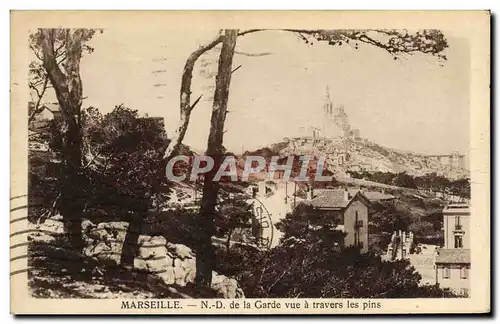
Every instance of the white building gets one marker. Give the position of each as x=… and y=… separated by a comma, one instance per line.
x=452, y=262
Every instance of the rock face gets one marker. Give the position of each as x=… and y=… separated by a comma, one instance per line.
x=46, y=231
x=104, y=241
x=226, y=287
x=343, y=155
x=175, y=264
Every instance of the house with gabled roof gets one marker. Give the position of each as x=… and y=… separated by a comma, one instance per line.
x=348, y=209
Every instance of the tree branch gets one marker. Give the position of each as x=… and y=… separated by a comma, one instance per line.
x=185, y=96
x=195, y=102
x=236, y=69
x=61, y=58
x=249, y=31
x=56, y=51
x=54, y=73
x=252, y=54
x=36, y=109
x=36, y=53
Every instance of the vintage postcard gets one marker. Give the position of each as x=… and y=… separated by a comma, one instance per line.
x=238, y=162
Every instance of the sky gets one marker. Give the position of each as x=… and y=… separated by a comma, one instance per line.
x=413, y=104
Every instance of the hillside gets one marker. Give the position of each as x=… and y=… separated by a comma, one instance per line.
x=348, y=154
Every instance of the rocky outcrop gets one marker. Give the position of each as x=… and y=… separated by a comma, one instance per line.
x=48, y=230
x=344, y=155
x=174, y=264
x=104, y=241
x=226, y=287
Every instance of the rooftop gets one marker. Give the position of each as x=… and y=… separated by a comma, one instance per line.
x=333, y=198
x=453, y=256
x=454, y=209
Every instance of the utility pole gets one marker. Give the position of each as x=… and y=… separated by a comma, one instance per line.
x=286, y=191
x=295, y=194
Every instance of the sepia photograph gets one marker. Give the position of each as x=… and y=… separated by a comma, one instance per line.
x=242, y=169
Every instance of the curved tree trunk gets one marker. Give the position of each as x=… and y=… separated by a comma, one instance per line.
x=185, y=97
x=68, y=89
x=205, y=254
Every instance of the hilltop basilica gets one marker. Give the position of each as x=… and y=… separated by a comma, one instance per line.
x=326, y=134
x=334, y=123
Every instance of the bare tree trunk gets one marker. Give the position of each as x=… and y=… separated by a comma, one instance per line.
x=185, y=97
x=228, y=241
x=185, y=94
x=71, y=200
x=130, y=246
x=68, y=89
x=205, y=254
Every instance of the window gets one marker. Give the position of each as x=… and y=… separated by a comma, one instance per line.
x=464, y=273
x=458, y=242
x=458, y=226
x=446, y=272
x=357, y=223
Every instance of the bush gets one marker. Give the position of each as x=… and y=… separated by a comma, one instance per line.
x=431, y=240
x=424, y=229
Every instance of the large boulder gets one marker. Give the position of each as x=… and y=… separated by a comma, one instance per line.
x=104, y=241
x=176, y=264
x=180, y=251
x=48, y=230
x=226, y=287
x=173, y=263
x=152, y=254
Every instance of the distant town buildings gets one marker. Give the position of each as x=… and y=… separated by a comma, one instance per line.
x=453, y=163
x=47, y=112
x=455, y=160
x=400, y=245
x=452, y=262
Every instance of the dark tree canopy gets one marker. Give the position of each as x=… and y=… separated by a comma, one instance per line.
x=395, y=42
x=52, y=69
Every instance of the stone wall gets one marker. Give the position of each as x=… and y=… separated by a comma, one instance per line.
x=175, y=264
